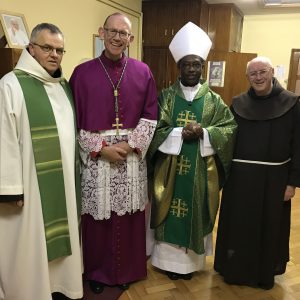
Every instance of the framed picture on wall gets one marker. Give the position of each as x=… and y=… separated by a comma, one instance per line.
x=216, y=73
x=15, y=29
x=3, y=42
x=98, y=46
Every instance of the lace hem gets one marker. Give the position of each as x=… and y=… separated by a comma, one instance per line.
x=120, y=187
x=141, y=136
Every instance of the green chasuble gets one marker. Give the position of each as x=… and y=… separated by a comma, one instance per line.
x=186, y=187
x=47, y=155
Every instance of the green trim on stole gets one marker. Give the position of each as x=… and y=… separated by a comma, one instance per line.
x=178, y=228
x=47, y=155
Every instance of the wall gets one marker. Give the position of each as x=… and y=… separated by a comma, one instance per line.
x=78, y=20
x=273, y=36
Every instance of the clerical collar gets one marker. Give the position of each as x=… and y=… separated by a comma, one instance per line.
x=57, y=73
x=190, y=91
x=113, y=63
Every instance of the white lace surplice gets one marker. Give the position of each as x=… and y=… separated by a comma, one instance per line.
x=120, y=187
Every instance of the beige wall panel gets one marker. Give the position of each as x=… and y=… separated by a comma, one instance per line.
x=79, y=20
x=273, y=36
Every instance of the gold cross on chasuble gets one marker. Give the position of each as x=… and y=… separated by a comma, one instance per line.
x=185, y=117
x=183, y=165
x=179, y=208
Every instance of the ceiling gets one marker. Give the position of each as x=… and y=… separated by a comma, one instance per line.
x=257, y=7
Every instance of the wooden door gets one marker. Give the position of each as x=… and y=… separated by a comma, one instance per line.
x=173, y=71
x=162, y=65
x=150, y=24
x=163, y=19
x=225, y=24
x=184, y=11
x=294, y=73
x=156, y=59
x=158, y=21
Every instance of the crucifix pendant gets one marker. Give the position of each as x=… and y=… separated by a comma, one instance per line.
x=117, y=125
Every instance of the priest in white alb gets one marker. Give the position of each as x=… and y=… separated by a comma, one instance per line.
x=40, y=253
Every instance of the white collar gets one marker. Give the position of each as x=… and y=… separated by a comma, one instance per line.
x=190, y=91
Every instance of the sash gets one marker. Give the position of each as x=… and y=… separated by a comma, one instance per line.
x=47, y=155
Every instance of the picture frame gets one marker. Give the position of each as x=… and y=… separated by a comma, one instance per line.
x=98, y=46
x=216, y=73
x=15, y=29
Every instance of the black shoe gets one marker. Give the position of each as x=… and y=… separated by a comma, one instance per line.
x=187, y=276
x=58, y=296
x=172, y=275
x=96, y=287
x=124, y=286
x=266, y=286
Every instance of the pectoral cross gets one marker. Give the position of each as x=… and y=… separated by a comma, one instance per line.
x=117, y=125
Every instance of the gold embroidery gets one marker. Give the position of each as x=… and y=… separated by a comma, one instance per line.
x=183, y=165
x=179, y=208
x=185, y=117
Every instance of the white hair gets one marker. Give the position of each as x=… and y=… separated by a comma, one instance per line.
x=262, y=59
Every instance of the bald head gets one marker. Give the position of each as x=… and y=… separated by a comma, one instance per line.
x=116, y=34
x=262, y=60
x=260, y=74
x=118, y=15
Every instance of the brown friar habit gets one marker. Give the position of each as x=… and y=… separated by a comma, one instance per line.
x=254, y=225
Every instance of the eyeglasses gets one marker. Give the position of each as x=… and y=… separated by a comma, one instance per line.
x=261, y=73
x=113, y=32
x=50, y=49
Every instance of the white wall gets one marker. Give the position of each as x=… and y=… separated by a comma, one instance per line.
x=273, y=36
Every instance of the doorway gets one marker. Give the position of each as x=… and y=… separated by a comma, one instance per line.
x=294, y=73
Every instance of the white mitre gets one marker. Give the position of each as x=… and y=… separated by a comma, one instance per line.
x=190, y=40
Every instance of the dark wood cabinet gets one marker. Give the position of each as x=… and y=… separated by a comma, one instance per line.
x=9, y=58
x=225, y=27
x=162, y=19
x=162, y=65
x=223, y=23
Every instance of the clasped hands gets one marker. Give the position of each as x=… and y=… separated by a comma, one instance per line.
x=192, y=131
x=116, y=152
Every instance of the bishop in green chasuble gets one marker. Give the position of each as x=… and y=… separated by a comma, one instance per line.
x=189, y=159
x=192, y=208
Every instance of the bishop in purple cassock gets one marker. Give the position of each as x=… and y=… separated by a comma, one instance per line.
x=116, y=104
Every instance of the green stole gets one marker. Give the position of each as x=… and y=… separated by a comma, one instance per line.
x=177, y=227
x=47, y=155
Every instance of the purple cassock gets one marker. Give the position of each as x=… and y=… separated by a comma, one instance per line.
x=114, y=244
x=94, y=97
